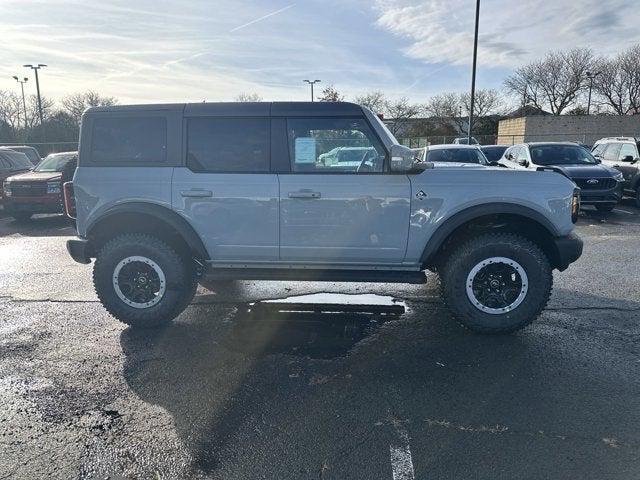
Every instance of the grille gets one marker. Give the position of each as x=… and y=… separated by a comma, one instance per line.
x=603, y=183
x=28, y=189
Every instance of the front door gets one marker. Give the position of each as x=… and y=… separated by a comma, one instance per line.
x=338, y=205
x=226, y=191
x=628, y=168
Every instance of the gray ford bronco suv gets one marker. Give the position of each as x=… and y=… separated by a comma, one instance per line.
x=167, y=193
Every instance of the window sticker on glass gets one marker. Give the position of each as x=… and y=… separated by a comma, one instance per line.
x=305, y=150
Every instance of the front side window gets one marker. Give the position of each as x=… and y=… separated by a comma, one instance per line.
x=611, y=152
x=129, y=140
x=598, y=149
x=334, y=145
x=627, y=150
x=226, y=145
x=19, y=161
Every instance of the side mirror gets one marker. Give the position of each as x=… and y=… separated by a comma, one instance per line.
x=407, y=160
x=523, y=162
x=629, y=159
x=509, y=156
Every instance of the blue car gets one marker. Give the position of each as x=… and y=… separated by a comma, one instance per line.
x=600, y=185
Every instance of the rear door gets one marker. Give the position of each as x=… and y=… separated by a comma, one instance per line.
x=628, y=169
x=348, y=210
x=225, y=189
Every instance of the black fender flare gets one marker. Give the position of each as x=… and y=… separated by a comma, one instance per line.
x=460, y=218
x=161, y=213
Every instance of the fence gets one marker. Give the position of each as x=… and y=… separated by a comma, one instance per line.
x=45, y=148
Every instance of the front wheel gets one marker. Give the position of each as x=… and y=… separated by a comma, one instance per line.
x=142, y=281
x=496, y=283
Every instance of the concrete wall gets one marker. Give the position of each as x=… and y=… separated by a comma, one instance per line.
x=577, y=128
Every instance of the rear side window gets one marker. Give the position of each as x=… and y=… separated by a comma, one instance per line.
x=129, y=140
x=228, y=145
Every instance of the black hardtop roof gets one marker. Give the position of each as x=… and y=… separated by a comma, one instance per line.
x=231, y=109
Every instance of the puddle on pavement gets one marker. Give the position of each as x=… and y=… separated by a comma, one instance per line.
x=322, y=325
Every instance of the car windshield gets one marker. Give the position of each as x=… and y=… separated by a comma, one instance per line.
x=18, y=160
x=493, y=154
x=30, y=153
x=457, y=155
x=561, y=155
x=55, y=162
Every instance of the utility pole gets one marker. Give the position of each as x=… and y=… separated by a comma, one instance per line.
x=591, y=76
x=24, y=102
x=473, y=71
x=35, y=68
x=311, y=83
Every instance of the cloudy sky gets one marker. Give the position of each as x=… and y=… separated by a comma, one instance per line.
x=191, y=50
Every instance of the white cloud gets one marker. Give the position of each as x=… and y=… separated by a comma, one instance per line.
x=511, y=32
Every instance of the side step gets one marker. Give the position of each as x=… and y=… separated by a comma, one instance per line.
x=313, y=275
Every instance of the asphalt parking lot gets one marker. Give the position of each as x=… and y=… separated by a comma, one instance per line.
x=238, y=388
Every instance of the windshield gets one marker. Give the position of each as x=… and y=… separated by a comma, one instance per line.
x=55, y=162
x=376, y=119
x=457, y=155
x=30, y=153
x=561, y=155
x=18, y=160
x=493, y=154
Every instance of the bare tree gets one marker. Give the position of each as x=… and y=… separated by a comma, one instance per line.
x=374, y=101
x=11, y=111
x=248, y=97
x=487, y=102
x=399, y=112
x=447, y=108
x=33, y=115
x=76, y=104
x=330, y=94
x=618, y=83
x=555, y=82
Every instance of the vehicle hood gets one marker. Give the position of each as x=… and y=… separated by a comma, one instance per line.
x=586, y=171
x=476, y=166
x=36, y=177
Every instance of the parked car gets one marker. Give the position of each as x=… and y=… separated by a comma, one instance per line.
x=31, y=153
x=494, y=152
x=455, y=154
x=247, y=199
x=622, y=153
x=465, y=141
x=39, y=190
x=346, y=157
x=12, y=163
x=600, y=185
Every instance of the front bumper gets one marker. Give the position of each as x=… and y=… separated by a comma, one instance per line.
x=48, y=204
x=77, y=248
x=568, y=250
x=600, y=197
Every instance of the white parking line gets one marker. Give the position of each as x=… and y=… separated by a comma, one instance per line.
x=401, y=461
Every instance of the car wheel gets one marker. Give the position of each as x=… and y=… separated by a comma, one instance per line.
x=21, y=217
x=605, y=208
x=142, y=281
x=496, y=283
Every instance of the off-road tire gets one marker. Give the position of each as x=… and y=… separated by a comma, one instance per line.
x=180, y=277
x=462, y=260
x=605, y=208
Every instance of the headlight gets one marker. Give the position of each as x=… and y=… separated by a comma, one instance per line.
x=618, y=177
x=53, y=187
x=575, y=205
x=6, y=187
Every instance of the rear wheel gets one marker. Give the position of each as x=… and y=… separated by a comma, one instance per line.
x=496, y=283
x=605, y=208
x=142, y=281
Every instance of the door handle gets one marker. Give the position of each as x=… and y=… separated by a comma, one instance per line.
x=196, y=193
x=304, y=194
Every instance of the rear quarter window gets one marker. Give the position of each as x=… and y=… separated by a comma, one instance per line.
x=129, y=140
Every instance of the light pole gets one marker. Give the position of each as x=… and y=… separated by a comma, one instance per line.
x=591, y=76
x=312, y=83
x=35, y=68
x=473, y=71
x=24, y=102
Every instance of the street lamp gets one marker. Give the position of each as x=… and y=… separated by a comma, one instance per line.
x=591, y=76
x=24, y=103
x=312, y=83
x=35, y=68
x=473, y=71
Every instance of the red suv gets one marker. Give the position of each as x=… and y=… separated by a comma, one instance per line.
x=39, y=190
